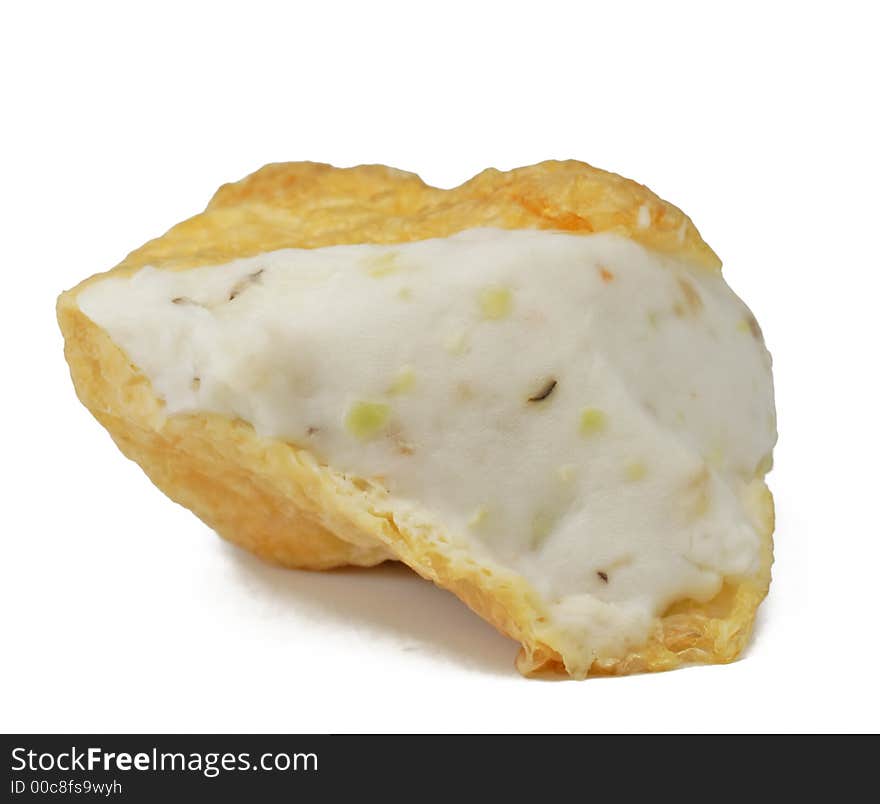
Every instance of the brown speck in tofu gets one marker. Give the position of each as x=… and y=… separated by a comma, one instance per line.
x=692, y=298
x=398, y=438
x=312, y=430
x=464, y=391
x=696, y=496
x=182, y=300
x=244, y=284
x=603, y=576
x=546, y=389
x=196, y=383
x=754, y=328
x=606, y=275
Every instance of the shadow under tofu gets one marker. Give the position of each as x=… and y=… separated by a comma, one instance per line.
x=389, y=600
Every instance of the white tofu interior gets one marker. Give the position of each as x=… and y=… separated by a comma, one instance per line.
x=577, y=409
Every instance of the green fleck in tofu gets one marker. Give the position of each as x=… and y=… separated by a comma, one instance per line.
x=592, y=422
x=365, y=420
x=404, y=382
x=458, y=343
x=635, y=471
x=495, y=302
x=382, y=264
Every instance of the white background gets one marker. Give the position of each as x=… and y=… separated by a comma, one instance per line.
x=121, y=611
